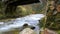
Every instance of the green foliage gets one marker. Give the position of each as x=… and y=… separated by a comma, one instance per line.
x=59, y=32
x=42, y=22
x=23, y=11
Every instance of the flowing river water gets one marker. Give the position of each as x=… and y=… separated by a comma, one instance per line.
x=16, y=25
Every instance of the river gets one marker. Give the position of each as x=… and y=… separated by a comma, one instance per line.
x=31, y=20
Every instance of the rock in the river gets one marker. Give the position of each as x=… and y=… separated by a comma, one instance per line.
x=27, y=31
